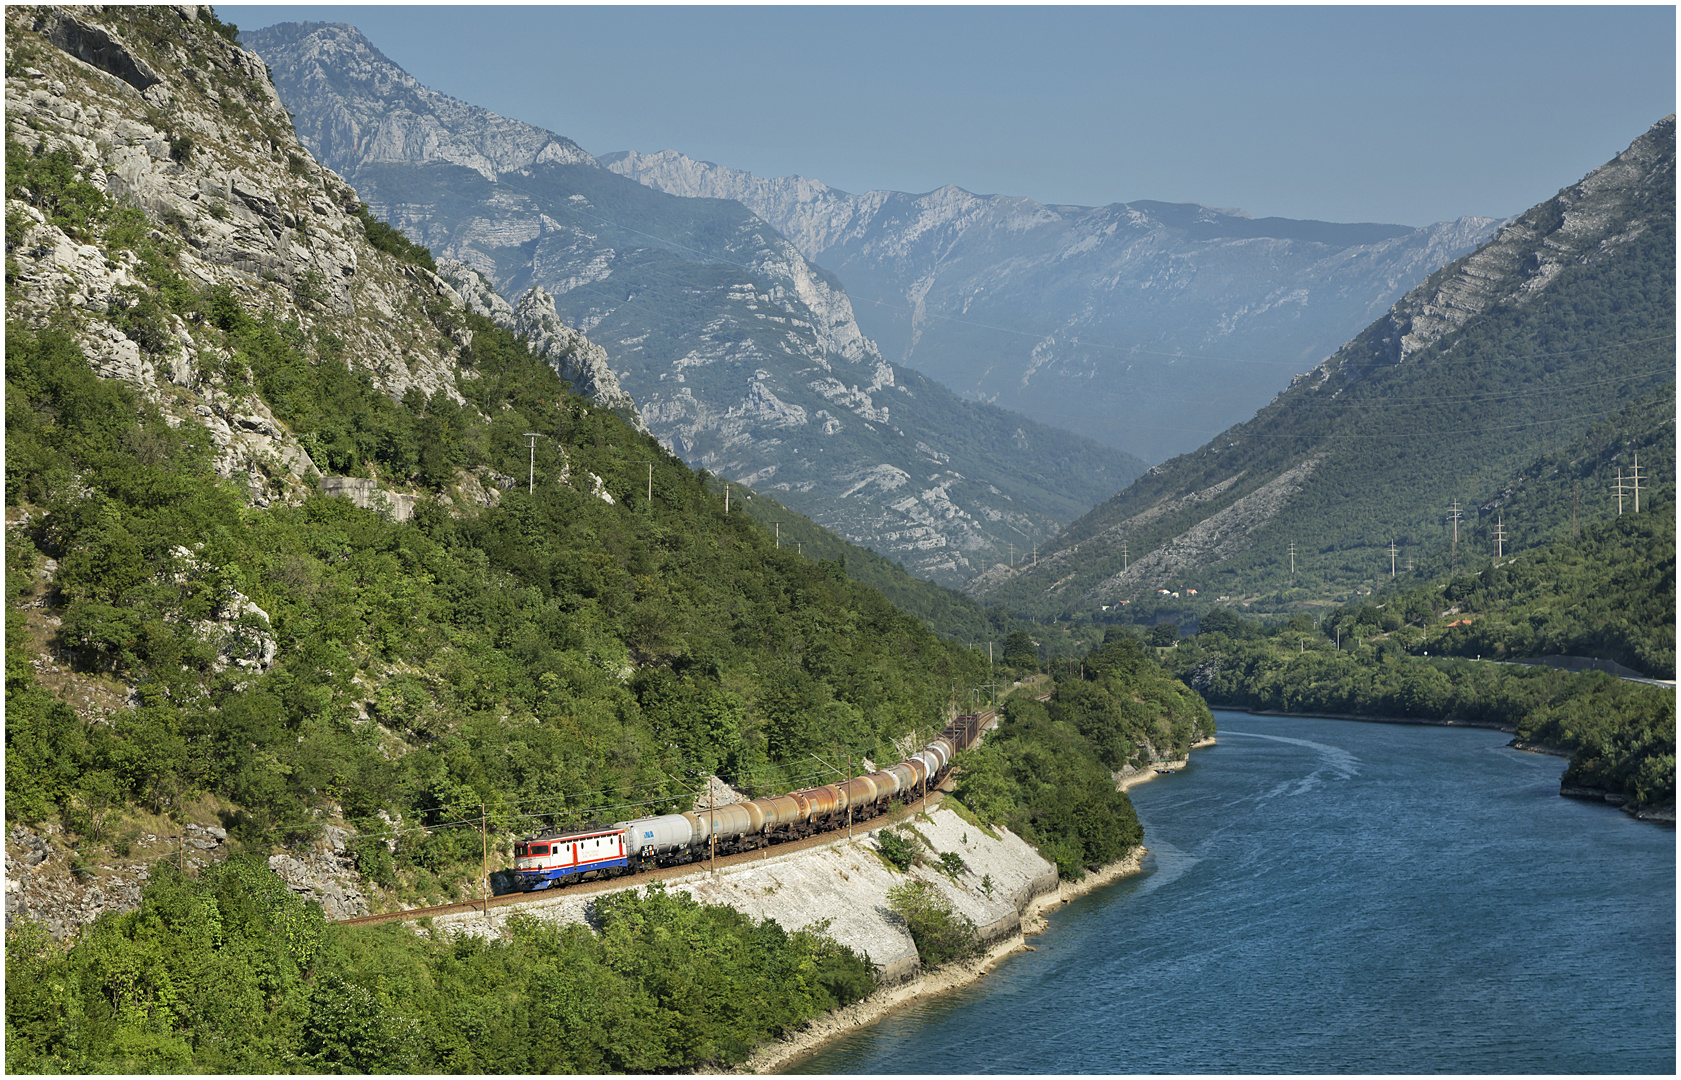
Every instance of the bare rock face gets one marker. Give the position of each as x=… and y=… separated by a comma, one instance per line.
x=192, y=133
x=579, y=361
x=324, y=874
x=48, y=883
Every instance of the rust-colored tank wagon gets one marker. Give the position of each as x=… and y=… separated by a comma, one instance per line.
x=886, y=782
x=906, y=775
x=860, y=791
x=725, y=822
x=821, y=802
x=781, y=811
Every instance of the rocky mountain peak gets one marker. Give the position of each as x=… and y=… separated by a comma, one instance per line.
x=373, y=111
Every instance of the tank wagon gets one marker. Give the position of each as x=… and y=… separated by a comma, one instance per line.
x=626, y=847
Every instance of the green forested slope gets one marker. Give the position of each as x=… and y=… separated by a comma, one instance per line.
x=1376, y=445
x=556, y=656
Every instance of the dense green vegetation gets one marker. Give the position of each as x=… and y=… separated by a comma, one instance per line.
x=1046, y=773
x=1610, y=594
x=230, y=972
x=556, y=658
x=1621, y=735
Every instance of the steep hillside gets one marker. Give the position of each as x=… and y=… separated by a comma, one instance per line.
x=744, y=357
x=206, y=653
x=1560, y=321
x=1149, y=326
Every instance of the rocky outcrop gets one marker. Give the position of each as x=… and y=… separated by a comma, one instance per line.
x=1090, y=318
x=576, y=358
x=325, y=874
x=48, y=882
x=368, y=495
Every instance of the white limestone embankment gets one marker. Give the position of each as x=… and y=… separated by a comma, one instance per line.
x=846, y=883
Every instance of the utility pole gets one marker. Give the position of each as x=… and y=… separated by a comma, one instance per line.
x=1637, y=483
x=1391, y=558
x=849, y=797
x=531, y=466
x=778, y=525
x=1124, y=561
x=726, y=496
x=650, y=483
x=712, y=828
x=484, y=841
x=1292, y=559
x=1619, y=491
x=1454, y=515
x=1500, y=536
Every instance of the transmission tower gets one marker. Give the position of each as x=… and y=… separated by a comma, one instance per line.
x=1454, y=516
x=1124, y=559
x=1391, y=558
x=1636, y=483
x=1619, y=491
x=1292, y=559
x=1500, y=536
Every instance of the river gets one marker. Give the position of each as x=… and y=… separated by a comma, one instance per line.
x=1335, y=896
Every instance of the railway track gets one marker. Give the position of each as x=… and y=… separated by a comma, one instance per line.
x=664, y=873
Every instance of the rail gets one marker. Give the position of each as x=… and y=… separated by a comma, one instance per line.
x=984, y=722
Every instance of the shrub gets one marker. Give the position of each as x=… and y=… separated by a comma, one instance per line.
x=941, y=933
x=897, y=850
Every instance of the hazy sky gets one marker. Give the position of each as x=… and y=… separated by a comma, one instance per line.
x=1406, y=115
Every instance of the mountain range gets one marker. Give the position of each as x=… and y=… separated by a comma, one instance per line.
x=742, y=356
x=1148, y=325
x=1412, y=437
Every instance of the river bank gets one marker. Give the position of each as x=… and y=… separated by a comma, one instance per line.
x=1489, y=725
x=777, y=1056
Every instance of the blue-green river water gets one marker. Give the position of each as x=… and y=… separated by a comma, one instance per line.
x=1334, y=896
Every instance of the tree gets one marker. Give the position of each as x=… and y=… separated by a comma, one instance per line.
x=1020, y=651
x=1164, y=634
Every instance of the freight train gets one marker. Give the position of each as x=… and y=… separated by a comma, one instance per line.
x=627, y=847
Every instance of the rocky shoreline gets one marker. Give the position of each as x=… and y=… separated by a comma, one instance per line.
x=776, y=1056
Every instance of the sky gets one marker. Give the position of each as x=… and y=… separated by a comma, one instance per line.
x=1406, y=115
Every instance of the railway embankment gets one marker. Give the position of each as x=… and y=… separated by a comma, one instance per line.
x=845, y=884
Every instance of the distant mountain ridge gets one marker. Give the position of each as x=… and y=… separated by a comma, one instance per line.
x=742, y=356
x=1497, y=360
x=1147, y=325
